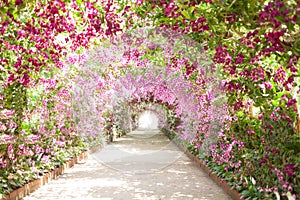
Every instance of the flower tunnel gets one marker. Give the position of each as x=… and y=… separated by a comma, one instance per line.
x=221, y=76
x=191, y=89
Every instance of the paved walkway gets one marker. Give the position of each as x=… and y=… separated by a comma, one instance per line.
x=141, y=165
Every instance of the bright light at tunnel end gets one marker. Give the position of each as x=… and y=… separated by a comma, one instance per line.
x=148, y=120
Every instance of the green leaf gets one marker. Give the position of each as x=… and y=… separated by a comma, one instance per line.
x=186, y=14
x=276, y=103
x=79, y=3
x=240, y=114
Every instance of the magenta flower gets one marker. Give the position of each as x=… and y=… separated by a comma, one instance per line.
x=18, y=2
x=259, y=116
x=54, y=10
x=291, y=102
x=25, y=80
x=268, y=85
x=239, y=58
x=262, y=161
x=290, y=170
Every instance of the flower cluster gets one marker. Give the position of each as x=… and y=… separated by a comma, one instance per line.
x=54, y=95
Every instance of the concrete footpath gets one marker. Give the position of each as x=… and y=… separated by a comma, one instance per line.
x=144, y=165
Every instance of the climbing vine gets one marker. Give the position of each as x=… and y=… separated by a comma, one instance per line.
x=227, y=72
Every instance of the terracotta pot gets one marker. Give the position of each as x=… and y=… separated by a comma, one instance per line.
x=71, y=163
x=4, y=198
x=46, y=178
x=34, y=185
x=21, y=192
x=14, y=195
x=76, y=159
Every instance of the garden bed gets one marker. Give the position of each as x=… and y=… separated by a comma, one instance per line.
x=234, y=194
x=45, y=178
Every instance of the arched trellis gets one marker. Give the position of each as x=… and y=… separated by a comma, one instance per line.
x=197, y=130
x=242, y=40
x=135, y=71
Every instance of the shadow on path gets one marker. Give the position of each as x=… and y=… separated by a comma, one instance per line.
x=144, y=165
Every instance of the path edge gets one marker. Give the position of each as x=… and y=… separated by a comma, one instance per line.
x=233, y=193
x=33, y=185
